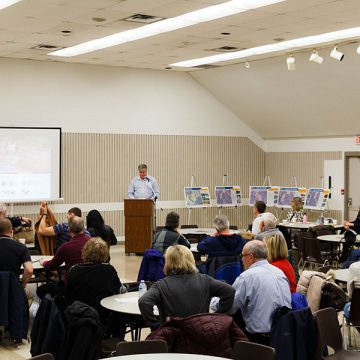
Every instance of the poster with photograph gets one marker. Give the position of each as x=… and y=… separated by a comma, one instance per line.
x=228, y=196
x=267, y=194
x=316, y=198
x=197, y=196
x=286, y=194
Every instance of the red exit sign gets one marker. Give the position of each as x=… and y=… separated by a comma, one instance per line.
x=357, y=139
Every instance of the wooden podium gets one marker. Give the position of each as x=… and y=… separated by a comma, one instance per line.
x=139, y=225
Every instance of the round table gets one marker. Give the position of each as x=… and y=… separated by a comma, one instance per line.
x=125, y=303
x=166, y=356
x=206, y=231
x=302, y=226
x=335, y=238
x=35, y=259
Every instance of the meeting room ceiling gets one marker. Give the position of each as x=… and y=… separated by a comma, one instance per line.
x=274, y=102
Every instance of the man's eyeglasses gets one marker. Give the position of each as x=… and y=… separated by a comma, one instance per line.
x=243, y=255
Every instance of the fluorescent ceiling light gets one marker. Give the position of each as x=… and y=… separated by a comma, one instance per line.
x=192, y=18
x=271, y=48
x=5, y=3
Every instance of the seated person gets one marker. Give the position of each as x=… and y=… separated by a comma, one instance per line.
x=94, y=279
x=352, y=283
x=13, y=254
x=277, y=256
x=96, y=227
x=61, y=230
x=15, y=220
x=353, y=225
x=169, y=235
x=260, y=290
x=259, y=209
x=268, y=227
x=183, y=292
x=296, y=213
x=222, y=242
x=70, y=252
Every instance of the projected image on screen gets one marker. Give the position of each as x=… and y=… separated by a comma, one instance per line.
x=29, y=164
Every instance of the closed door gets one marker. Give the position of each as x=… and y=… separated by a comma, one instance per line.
x=353, y=194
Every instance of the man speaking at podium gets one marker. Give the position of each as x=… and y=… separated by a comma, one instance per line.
x=143, y=186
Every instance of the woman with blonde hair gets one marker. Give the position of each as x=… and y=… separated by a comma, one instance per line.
x=296, y=213
x=277, y=256
x=183, y=292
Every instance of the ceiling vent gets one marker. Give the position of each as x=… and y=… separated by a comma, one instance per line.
x=225, y=49
x=143, y=18
x=45, y=47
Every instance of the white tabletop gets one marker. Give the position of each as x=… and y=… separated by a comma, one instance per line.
x=166, y=356
x=300, y=225
x=334, y=238
x=206, y=231
x=36, y=263
x=125, y=303
x=342, y=275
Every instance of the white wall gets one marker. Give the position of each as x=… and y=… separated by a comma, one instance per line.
x=86, y=98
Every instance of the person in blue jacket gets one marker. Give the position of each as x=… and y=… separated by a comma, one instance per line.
x=222, y=242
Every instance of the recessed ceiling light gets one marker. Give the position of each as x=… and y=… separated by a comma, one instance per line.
x=178, y=22
x=307, y=41
x=6, y=3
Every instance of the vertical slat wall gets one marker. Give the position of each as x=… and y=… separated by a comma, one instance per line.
x=97, y=168
x=308, y=167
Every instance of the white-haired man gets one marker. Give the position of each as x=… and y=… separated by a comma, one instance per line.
x=268, y=227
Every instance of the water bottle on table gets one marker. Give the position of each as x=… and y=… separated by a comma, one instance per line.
x=142, y=288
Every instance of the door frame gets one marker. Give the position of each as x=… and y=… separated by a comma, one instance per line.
x=347, y=155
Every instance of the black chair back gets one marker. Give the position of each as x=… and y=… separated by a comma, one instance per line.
x=189, y=226
x=141, y=347
x=244, y=350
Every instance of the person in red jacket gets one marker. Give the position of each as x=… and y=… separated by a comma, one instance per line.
x=277, y=256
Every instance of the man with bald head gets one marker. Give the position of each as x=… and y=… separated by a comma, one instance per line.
x=13, y=254
x=259, y=291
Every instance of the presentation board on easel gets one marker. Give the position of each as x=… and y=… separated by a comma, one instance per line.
x=316, y=198
x=196, y=197
x=286, y=194
x=267, y=194
x=228, y=196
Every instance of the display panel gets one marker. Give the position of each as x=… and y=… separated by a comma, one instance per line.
x=316, y=198
x=228, y=196
x=286, y=194
x=197, y=196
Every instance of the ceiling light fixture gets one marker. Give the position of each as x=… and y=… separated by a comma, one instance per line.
x=316, y=58
x=358, y=50
x=336, y=54
x=247, y=65
x=6, y=3
x=288, y=45
x=178, y=22
x=290, y=61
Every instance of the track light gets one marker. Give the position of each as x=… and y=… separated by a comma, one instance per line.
x=336, y=54
x=291, y=63
x=358, y=50
x=247, y=65
x=316, y=58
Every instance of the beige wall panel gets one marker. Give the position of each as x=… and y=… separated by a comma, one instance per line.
x=308, y=167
